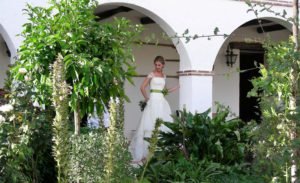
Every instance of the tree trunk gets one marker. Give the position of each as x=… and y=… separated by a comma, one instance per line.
x=296, y=23
x=77, y=121
x=293, y=99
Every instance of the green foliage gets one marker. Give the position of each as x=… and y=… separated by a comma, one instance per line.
x=152, y=146
x=60, y=124
x=25, y=138
x=89, y=156
x=275, y=83
x=101, y=155
x=274, y=146
x=233, y=177
x=198, y=135
x=96, y=56
x=120, y=118
x=181, y=170
x=199, y=148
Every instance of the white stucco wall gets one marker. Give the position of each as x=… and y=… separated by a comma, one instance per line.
x=4, y=62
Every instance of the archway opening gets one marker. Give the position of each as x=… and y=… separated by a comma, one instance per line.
x=232, y=84
x=154, y=42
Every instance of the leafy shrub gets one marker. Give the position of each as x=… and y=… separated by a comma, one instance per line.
x=25, y=138
x=88, y=157
x=200, y=147
x=275, y=145
x=182, y=170
x=215, y=139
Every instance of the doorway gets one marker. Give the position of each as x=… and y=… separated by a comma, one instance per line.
x=249, y=106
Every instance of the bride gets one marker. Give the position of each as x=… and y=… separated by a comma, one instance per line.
x=157, y=107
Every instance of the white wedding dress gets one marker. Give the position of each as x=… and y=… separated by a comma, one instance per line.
x=157, y=107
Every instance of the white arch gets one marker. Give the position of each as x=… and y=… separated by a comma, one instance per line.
x=9, y=43
x=203, y=53
x=278, y=20
x=165, y=26
x=226, y=79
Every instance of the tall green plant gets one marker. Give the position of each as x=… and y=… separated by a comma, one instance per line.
x=60, y=124
x=120, y=114
x=116, y=156
x=153, y=142
x=96, y=56
x=110, y=139
x=274, y=146
x=293, y=70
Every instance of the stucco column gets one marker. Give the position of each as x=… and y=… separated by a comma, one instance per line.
x=195, y=90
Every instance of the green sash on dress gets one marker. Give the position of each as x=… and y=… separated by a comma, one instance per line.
x=155, y=91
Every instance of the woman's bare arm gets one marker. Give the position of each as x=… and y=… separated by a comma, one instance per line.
x=173, y=89
x=143, y=88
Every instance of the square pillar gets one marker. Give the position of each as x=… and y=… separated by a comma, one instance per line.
x=196, y=90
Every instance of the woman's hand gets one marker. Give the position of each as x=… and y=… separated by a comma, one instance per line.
x=174, y=88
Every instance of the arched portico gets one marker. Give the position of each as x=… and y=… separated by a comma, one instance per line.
x=159, y=20
x=144, y=55
x=197, y=57
x=230, y=86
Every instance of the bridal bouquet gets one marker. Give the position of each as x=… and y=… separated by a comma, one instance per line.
x=165, y=91
x=142, y=104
